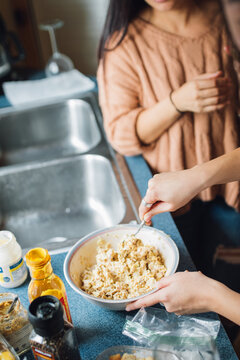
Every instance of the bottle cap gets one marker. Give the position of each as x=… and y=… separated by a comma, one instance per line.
x=46, y=315
x=6, y=237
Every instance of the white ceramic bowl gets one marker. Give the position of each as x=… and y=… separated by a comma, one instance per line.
x=83, y=254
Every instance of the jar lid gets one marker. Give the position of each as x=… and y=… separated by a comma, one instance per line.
x=6, y=237
x=46, y=315
x=37, y=257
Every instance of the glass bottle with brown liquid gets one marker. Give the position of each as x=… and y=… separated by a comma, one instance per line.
x=52, y=338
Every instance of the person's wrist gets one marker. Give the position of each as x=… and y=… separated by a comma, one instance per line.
x=176, y=100
x=217, y=297
x=212, y=298
x=198, y=177
x=206, y=174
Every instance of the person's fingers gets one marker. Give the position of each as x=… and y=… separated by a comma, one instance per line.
x=178, y=313
x=165, y=281
x=146, y=301
x=212, y=83
x=146, y=204
x=149, y=200
x=209, y=75
x=148, y=223
x=214, y=100
x=158, y=208
x=151, y=196
x=141, y=211
x=143, y=208
x=214, y=107
x=158, y=296
x=216, y=91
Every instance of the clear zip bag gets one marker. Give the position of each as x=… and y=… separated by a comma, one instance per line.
x=135, y=353
x=190, y=338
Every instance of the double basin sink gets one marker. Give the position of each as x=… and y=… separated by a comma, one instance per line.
x=59, y=177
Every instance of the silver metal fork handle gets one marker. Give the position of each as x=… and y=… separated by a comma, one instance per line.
x=140, y=227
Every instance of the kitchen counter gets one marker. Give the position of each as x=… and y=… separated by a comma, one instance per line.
x=97, y=328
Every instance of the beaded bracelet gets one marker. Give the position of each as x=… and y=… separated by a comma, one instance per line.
x=170, y=97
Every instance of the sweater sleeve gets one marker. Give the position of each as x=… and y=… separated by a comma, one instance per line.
x=119, y=90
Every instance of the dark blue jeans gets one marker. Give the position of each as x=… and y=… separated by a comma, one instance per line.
x=206, y=226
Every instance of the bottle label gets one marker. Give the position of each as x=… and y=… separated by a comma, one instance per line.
x=13, y=273
x=64, y=303
x=41, y=354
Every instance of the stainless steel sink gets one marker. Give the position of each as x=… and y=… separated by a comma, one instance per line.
x=61, y=198
x=47, y=132
x=50, y=194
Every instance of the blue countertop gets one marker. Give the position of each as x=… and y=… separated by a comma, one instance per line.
x=98, y=329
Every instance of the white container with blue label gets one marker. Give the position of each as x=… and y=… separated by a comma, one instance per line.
x=13, y=270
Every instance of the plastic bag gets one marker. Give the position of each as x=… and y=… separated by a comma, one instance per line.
x=140, y=353
x=190, y=338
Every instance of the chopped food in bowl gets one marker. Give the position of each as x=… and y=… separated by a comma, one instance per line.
x=111, y=267
x=130, y=271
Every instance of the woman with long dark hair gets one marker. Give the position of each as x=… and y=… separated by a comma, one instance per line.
x=168, y=91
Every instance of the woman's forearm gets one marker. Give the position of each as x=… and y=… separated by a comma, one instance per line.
x=225, y=302
x=194, y=96
x=154, y=121
x=225, y=168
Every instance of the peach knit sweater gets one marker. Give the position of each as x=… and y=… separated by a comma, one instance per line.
x=142, y=71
